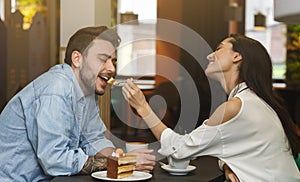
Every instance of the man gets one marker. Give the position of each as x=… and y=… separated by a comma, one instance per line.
x=52, y=126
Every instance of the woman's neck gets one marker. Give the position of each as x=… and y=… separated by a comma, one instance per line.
x=229, y=82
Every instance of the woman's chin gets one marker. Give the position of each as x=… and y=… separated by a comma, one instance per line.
x=208, y=73
x=212, y=75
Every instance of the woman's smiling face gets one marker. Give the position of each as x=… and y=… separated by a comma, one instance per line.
x=221, y=60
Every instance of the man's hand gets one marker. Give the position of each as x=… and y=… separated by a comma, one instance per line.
x=145, y=160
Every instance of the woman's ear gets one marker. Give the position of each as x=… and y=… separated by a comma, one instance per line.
x=76, y=59
x=237, y=57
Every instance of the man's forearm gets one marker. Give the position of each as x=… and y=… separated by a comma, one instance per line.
x=97, y=162
x=94, y=163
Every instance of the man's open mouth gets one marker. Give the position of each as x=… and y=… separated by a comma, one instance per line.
x=104, y=78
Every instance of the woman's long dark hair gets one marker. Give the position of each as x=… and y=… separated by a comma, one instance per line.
x=256, y=71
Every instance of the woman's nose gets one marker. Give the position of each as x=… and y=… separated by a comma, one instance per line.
x=211, y=56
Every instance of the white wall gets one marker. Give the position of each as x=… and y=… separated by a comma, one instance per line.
x=103, y=12
x=76, y=14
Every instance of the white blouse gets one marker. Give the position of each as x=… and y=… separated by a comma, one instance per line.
x=253, y=143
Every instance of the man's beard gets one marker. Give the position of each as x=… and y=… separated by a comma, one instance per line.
x=87, y=81
x=90, y=85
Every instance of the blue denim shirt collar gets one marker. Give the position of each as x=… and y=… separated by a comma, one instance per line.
x=69, y=71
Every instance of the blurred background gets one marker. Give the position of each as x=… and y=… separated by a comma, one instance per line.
x=34, y=35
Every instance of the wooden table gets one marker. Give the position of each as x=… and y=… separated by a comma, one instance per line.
x=207, y=170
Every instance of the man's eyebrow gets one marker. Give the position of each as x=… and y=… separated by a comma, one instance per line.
x=106, y=55
x=103, y=54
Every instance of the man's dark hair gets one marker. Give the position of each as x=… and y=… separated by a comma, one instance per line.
x=82, y=39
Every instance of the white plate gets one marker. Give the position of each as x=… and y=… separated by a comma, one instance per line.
x=136, y=176
x=178, y=171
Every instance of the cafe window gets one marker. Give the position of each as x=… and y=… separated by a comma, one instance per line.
x=272, y=35
x=135, y=22
x=137, y=29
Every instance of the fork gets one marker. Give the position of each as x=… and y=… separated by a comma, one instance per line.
x=120, y=82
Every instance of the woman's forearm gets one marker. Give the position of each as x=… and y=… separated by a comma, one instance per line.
x=137, y=100
x=158, y=129
x=155, y=124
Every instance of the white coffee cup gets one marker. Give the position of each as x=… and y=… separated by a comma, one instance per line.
x=136, y=145
x=178, y=163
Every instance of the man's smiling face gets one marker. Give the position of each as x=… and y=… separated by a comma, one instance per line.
x=96, y=67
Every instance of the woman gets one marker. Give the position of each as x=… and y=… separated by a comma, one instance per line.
x=251, y=132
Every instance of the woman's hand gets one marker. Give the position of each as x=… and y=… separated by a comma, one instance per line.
x=145, y=159
x=229, y=174
x=135, y=97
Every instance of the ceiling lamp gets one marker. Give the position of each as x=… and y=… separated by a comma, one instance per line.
x=287, y=11
x=259, y=21
x=129, y=17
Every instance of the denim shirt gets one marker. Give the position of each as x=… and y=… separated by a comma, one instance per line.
x=49, y=128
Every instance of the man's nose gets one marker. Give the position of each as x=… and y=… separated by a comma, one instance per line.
x=109, y=65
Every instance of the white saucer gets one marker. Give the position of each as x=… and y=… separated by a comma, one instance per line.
x=136, y=176
x=178, y=171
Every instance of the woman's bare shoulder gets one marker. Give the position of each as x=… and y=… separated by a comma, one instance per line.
x=225, y=112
